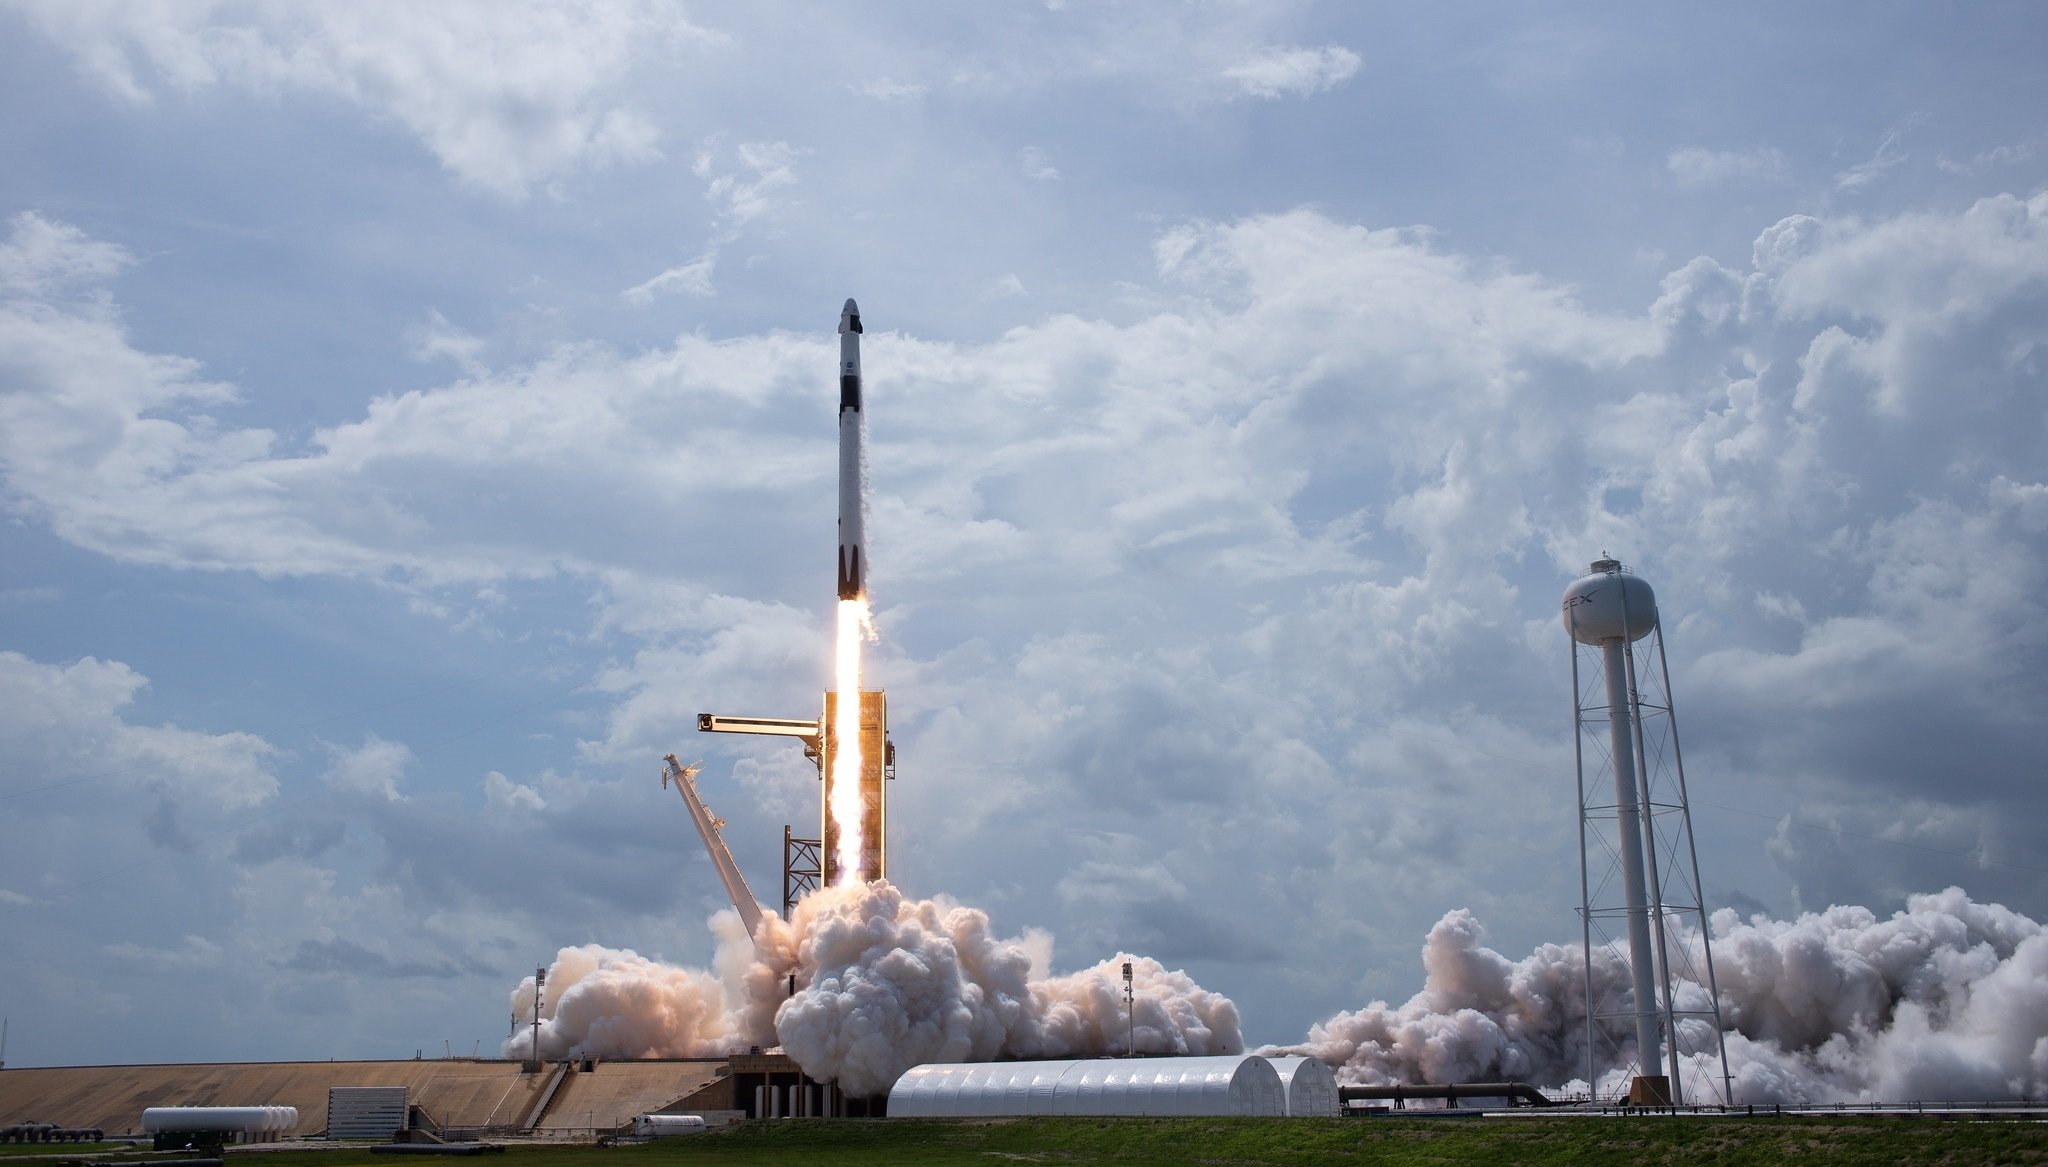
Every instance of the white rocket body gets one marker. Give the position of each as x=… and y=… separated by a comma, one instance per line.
x=853, y=567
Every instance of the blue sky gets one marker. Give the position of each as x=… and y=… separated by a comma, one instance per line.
x=412, y=416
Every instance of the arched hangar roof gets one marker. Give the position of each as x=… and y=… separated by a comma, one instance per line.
x=1309, y=1086
x=1232, y=1084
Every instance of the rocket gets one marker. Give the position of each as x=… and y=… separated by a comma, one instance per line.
x=853, y=570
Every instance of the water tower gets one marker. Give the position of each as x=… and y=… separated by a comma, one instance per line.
x=1639, y=874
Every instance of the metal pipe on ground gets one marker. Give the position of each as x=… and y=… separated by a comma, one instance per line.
x=1517, y=1093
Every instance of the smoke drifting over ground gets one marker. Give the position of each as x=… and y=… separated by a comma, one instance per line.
x=883, y=982
x=1947, y=999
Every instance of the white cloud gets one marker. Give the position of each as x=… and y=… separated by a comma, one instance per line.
x=373, y=768
x=1696, y=166
x=506, y=95
x=64, y=726
x=1036, y=165
x=753, y=189
x=437, y=339
x=504, y=795
x=194, y=952
x=42, y=258
x=1005, y=285
x=1864, y=173
x=691, y=279
x=2009, y=154
x=744, y=195
x=1294, y=72
x=888, y=89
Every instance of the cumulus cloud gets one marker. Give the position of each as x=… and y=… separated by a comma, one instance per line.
x=505, y=95
x=56, y=721
x=437, y=339
x=1379, y=457
x=503, y=794
x=1294, y=71
x=42, y=258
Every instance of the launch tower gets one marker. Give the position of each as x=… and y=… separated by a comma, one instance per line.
x=878, y=765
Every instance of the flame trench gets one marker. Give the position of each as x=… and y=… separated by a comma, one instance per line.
x=845, y=805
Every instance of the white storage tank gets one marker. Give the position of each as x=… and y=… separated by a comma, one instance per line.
x=657, y=1126
x=1235, y=1084
x=266, y=1121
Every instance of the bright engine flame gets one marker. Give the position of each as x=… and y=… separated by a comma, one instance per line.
x=845, y=805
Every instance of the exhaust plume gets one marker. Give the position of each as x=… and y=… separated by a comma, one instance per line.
x=883, y=982
x=845, y=805
x=1947, y=999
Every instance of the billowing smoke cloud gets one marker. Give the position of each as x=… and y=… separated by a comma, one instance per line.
x=882, y=982
x=1947, y=999
x=618, y=1003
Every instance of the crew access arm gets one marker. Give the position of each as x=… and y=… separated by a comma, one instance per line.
x=728, y=871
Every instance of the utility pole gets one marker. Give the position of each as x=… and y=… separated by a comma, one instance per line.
x=540, y=977
x=1130, y=1015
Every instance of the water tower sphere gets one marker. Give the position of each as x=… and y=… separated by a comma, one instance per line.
x=1593, y=605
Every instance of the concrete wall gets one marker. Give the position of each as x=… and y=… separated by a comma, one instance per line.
x=458, y=1092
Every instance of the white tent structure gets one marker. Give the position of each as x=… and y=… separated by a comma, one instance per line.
x=1309, y=1086
x=1234, y=1084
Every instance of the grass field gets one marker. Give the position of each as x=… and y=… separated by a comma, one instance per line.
x=1281, y=1142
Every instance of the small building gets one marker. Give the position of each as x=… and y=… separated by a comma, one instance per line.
x=1235, y=1084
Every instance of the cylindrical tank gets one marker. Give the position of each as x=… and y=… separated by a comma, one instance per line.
x=1609, y=604
x=656, y=1126
x=158, y=1120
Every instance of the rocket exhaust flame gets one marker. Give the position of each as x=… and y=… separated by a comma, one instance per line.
x=845, y=802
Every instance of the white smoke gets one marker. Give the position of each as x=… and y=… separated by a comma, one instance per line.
x=882, y=982
x=617, y=1003
x=1946, y=1000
